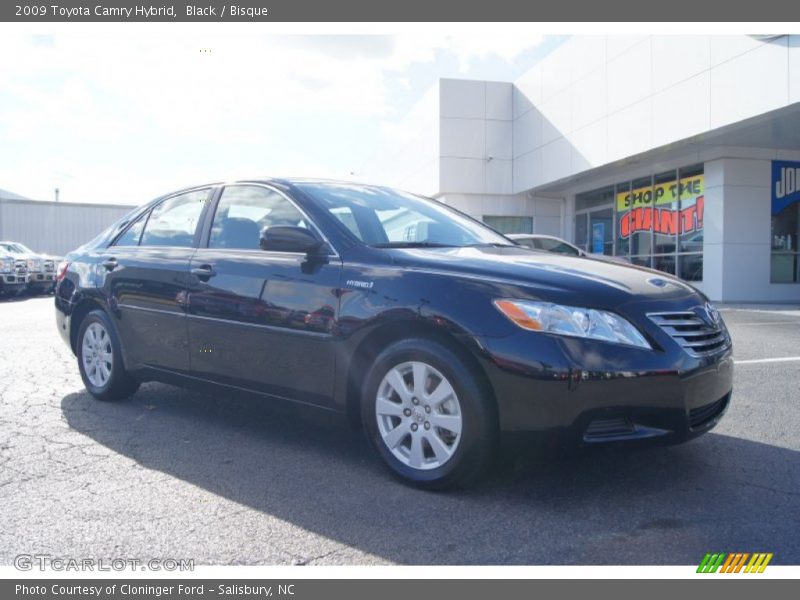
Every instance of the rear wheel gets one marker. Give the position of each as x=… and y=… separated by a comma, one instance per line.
x=428, y=417
x=100, y=359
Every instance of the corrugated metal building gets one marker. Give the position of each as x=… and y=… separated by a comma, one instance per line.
x=55, y=227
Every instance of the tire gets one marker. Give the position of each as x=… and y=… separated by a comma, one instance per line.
x=100, y=359
x=444, y=438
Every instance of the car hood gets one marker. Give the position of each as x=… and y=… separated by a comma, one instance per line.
x=556, y=277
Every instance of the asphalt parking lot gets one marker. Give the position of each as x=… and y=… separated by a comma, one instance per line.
x=175, y=474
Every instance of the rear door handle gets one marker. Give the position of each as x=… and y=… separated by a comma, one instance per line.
x=110, y=264
x=204, y=273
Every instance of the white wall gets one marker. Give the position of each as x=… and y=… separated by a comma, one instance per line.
x=475, y=137
x=55, y=227
x=599, y=99
x=737, y=231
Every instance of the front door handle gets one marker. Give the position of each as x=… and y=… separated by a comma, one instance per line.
x=110, y=264
x=204, y=273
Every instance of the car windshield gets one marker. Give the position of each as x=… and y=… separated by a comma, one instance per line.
x=386, y=218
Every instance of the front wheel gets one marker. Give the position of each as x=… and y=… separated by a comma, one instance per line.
x=430, y=419
x=100, y=359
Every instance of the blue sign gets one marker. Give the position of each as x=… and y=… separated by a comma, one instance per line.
x=598, y=237
x=785, y=184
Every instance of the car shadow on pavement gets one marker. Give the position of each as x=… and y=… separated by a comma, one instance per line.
x=307, y=467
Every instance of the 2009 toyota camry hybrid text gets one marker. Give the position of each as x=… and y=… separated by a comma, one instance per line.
x=434, y=331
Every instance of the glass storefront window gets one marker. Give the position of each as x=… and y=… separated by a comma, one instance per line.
x=602, y=235
x=664, y=262
x=665, y=217
x=641, y=219
x=594, y=227
x=690, y=267
x=655, y=221
x=581, y=229
x=692, y=204
x=623, y=239
x=510, y=224
x=785, y=264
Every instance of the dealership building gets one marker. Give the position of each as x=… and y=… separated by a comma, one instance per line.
x=681, y=153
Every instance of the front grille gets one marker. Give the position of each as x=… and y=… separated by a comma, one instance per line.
x=695, y=335
x=704, y=414
x=21, y=267
x=49, y=266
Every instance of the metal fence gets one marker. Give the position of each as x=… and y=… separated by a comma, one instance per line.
x=55, y=227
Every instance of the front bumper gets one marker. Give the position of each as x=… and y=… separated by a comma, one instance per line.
x=41, y=279
x=584, y=392
x=13, y=281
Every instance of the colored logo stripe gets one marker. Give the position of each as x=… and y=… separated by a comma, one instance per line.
x=758, y=563
x=734, y=562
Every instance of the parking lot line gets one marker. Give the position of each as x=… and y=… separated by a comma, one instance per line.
x=767, y=360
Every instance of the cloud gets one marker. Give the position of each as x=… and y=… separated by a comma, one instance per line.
x=89, y=108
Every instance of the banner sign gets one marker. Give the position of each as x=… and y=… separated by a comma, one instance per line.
x=666, y=221
x=662, y=193
x=639, y=209
x=785, y=184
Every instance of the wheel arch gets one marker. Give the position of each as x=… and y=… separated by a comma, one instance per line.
x=82, y=308
x=388, y=333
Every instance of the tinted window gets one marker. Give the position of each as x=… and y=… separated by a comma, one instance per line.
x=133, y=234
x=174, y=221
x=244, y=211
x=556, y=246
x=383, y=217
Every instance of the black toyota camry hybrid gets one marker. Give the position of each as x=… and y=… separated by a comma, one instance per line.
x=434, y=331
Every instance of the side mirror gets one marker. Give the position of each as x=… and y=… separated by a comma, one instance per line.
x=281, y=238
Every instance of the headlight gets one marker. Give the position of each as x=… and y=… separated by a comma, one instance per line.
x=6, y=265
x=572, y=321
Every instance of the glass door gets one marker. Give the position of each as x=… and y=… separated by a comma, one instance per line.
x=602, y=231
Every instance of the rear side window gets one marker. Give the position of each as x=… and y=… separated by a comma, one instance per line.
x=526, y=242
x=174, y=221
x=244, y=211
x=557, y=246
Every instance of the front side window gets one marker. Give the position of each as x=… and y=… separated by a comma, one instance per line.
x=133, y=234
x=174, y=221
x=244, y=211
x=382, y=217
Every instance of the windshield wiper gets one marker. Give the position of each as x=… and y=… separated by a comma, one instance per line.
x=408, y=244
x=491, y=245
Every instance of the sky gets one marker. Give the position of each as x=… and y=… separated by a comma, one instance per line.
x=122, y=118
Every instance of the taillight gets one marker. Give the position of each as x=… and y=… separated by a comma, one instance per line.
x=62, y=270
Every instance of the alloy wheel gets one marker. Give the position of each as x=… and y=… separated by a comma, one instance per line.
x=419, y=416
x=97, y=354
